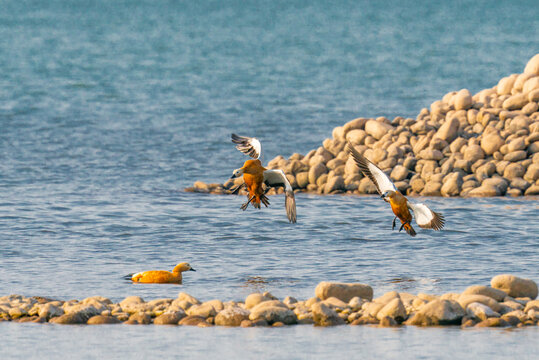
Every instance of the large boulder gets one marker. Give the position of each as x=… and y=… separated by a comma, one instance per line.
x=463, y=100
x=515, y=286
x=438, y=312
x=232, y=316
x=254, y=299
x=480, y=311
x=532, y=67
x=103, y=319
x=205, y=310
x=491, y=142
x=496, y=294
x=465, y=299
x=323, y=315
x=343, y=291
x=377, y=129
x=273, y=311
x=394, y=309
x=169, y=318
x=449, y=130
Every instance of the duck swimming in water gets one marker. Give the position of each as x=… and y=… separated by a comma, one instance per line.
x=255, y=176
x=424, y=217
x=161, y=276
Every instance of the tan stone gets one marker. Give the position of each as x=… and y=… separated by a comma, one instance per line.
x=495, y=294
x=232, y=316
x=505, y=85
x=491, y=143
x=515, y=286
x=377, y=129
x=438, y=312
x=515, y=102
x=515, y=156
x=530, y=85
x=480, y=311
x=325, y=316
x=254, y=299
x=532, y=67
x=394, y=309
x=473, y=153
x=343, y=291
x=316, y=171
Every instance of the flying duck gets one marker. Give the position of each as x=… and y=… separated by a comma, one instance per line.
x=424, y=217
x=255, y=176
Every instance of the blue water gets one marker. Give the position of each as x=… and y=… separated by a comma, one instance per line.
x=109, y=109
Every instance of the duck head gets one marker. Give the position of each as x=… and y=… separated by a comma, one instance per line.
x=181, y=267
x=388, y=195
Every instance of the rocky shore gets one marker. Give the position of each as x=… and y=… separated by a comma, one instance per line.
x=509, y=301
x=486, y=144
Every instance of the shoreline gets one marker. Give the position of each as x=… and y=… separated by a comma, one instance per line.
x=509, y=301
x=463, y=145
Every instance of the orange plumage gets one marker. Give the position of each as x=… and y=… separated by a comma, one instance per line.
x=400, y=208
x=162, y=276
x=253, y=176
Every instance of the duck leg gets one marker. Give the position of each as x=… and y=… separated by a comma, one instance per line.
x=244, y=206
x=394, y=220
x=402, y=226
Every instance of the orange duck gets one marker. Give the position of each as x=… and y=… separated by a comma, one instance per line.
x=424, y=217
x=255, y=176
x=161, y=276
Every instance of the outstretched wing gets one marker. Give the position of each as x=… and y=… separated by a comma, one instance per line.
x=378, y=177
x=247, y=145
x=425, y=217
x=276, y=178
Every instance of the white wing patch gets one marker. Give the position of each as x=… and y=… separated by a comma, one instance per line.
x=378, y=177
x=276, y=178
x=248, y=145
x=425, y=217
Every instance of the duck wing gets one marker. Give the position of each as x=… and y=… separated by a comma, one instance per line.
x=248, y=145
x=378, y=177
x=276, y=178
x=425, y=217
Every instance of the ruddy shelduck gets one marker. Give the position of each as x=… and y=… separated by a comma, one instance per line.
x=161, y=276
x=255, y=176
x=424, y=217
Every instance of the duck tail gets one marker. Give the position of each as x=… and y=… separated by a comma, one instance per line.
x=409, y=229
x=256, y=202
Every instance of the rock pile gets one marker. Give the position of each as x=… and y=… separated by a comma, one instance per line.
x=485, y=144
x=509, y=301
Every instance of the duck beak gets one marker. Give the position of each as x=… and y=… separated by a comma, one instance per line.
x=191, y=269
